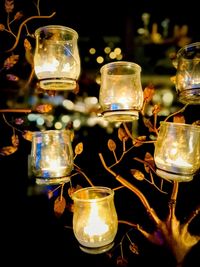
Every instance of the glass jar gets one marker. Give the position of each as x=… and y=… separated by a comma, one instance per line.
x=95, y=220
x=121, y=94
x=177, y=151
x=56, y=57
x=51, y=156
x=187, y=64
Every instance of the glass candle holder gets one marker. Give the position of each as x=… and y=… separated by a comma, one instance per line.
x=177, y=151
x=51, y=156
x=187, y=64
x=121, y=94
x=56, y=57
x=95, y=220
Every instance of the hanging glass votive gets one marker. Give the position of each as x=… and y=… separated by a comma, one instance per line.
x=51, y=156
x=187, y=80
x=56, y=58
x=121, y=94
x=95, y=220
x=177, y=151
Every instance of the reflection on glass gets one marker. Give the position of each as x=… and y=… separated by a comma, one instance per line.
x=56, y=58
x=177, y=151
x=121, y=95
x=51, y=156
x=95, y=219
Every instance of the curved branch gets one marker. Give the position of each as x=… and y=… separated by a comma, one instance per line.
x=135, y=190
x=193, y=215
x=23, y=23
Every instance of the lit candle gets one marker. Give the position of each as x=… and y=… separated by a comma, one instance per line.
x=177, y=151
x=95, y=219
x=95, y=226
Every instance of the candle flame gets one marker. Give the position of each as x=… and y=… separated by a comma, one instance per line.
x=95, y=226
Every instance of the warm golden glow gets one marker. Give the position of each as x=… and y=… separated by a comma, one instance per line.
x=95, y=225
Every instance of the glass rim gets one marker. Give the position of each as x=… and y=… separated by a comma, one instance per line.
x=122, y=63
x=93, y=188
x=54, y=26
x=186, y=47
x=51, y=131
x=181, y=124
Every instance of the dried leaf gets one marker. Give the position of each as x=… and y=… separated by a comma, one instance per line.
x=71, y=190
x=122, y=135
x=137, y=174
x=19, y=121
x=44, y=108
x=59, y=206
x=12, y=77
x=148, y=124
x=111, y=145
x=7, y=150
x=79, y=148
x=179, y=118
x=147, y=168
x=18, y=15
x=15, y=140
x=156, y=109
x=9, y=6
x=28, y=135
x=121, y=261
x=11, y=61
x=134, y=248
x=148, y=93
x=2, y=27
x=50, y=194
x=149, y=158
x=139, y=140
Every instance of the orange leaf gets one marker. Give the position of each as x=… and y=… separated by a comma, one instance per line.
x=156, y=109
x=179, y=118
x=149, y=158
x=71, y=190
x=15, y=140
x=148, y=93
x=44, y=108
x=50, y=194
x=134, y=248
x=28, y=135
x=79, y=148
x=111, y=145
x=7, y=150
x=137, y=174
x=122, y=134
x=59, y=206
x=121, y=261
x=138, y=141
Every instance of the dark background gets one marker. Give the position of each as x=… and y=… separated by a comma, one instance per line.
x=30, y=232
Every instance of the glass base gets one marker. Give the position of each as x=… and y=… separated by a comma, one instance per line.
x=52, y=180
x=121, y=115
x=97, y=250
x=174, y=176
x=190, y=96
x=58, y=84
